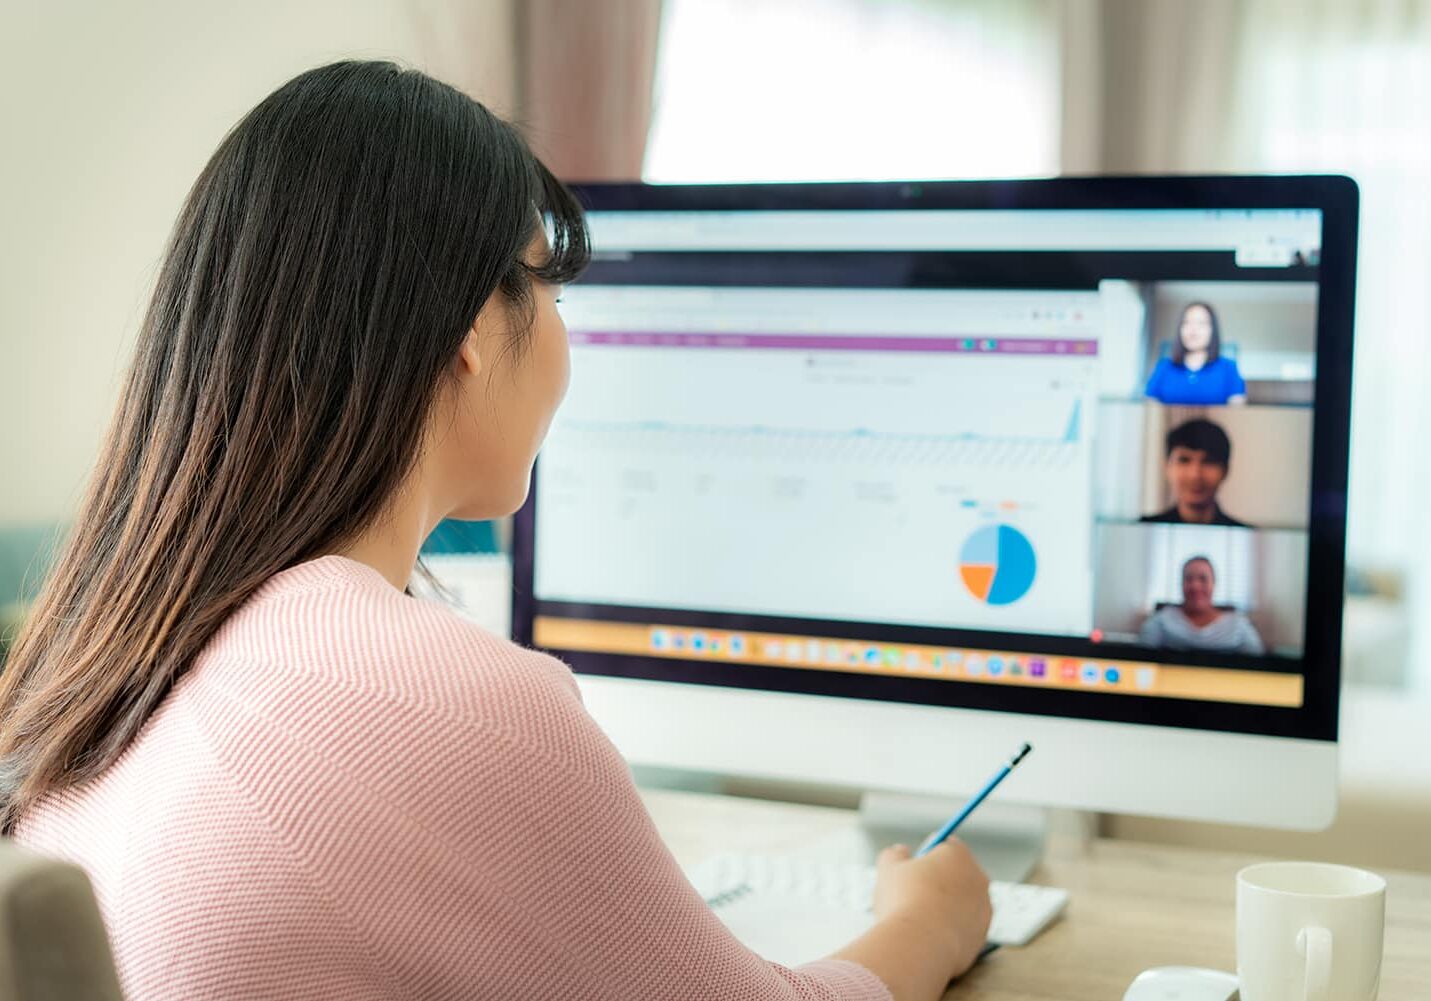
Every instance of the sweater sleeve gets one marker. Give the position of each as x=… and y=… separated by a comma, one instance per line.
x=1236, y=385
x=592, y=865
x=1151, y=634
x=1248, y=640
x=505, y=852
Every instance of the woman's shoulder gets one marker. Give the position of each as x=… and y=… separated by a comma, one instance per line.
x=1226, y=371
x=349, y=689
x=1164, y=377
x=340, y=628
x=1164, y=368
x=1239, y=621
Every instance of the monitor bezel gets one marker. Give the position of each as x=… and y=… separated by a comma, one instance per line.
x=1335, y=196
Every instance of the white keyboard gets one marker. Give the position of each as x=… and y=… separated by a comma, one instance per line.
x=1021, y=910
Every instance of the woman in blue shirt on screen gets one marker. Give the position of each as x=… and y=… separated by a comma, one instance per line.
x=1197, y=373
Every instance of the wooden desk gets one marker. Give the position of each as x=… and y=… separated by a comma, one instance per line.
x=1132, y=905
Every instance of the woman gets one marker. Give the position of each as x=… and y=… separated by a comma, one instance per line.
x=286, y=777
x=1197, y=373
x=1198, y=624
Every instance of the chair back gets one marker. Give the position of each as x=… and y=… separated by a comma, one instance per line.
x=53, y=946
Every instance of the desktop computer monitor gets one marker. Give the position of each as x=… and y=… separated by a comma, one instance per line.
x=866, y=484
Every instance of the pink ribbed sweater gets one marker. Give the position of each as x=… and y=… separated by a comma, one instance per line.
x=354, y=794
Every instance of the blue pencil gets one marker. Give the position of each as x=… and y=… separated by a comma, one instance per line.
x=934, y=839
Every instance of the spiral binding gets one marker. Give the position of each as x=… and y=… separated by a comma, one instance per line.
x=729, y=896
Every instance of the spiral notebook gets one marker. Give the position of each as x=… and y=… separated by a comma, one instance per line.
x=789, y=924
x=792, y=910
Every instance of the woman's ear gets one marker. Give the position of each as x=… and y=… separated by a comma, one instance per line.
x=469, y=355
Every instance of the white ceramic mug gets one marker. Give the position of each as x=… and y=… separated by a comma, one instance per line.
x=1307, y=931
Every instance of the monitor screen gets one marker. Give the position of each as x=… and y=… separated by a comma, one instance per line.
x=1073, y=448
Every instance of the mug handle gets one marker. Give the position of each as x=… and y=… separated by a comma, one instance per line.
x=1316, y=945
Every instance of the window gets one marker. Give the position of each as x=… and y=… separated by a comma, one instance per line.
x=854, y=90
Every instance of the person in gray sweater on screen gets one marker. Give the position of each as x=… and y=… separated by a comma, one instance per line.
x=1198, y=624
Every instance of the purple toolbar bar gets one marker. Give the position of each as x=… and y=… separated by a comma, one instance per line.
x=842, y=342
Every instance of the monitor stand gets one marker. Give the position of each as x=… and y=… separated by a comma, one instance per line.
x=1008, y=840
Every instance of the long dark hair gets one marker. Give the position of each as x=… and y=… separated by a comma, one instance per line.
x=321, y=277
x=1214, y=345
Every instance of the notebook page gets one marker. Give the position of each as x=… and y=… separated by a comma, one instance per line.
x=791, y=930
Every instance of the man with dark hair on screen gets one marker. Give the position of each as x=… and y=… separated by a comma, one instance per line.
x=1197, y=457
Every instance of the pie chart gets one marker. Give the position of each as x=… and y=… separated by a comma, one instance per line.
x=998, y=564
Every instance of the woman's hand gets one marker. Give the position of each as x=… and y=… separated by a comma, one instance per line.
x=933, y=915
x=945, y=891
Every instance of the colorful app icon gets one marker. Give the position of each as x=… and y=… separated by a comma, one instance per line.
x=678, y=641
x=699, y=642
x=974, y=664
x=1016, y=670
x=1112, y=675
x=812, y=650
x=1068, y=671
x=1038, y=667
x=793, y=653
x=912, y=660
x=1090, y=674
x=737, y=646
x=872, y=656
x=716, y=644
x=773, y=649
x=660, y=639
x=832, y=653
x=1144, y=678
x=891, y=656
x=953, y=658
x=995, y=666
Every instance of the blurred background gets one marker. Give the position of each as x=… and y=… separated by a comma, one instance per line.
x=110, y=110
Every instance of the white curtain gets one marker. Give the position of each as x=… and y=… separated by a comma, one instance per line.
x=1148, y=85
x=1345, y=86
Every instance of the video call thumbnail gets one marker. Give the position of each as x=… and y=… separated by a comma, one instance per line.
x=1193, y=587
x=1234, y=467
x=1203, y=467
x=1203, y=343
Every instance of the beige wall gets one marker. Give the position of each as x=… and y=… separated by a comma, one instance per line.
x=109, y=112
